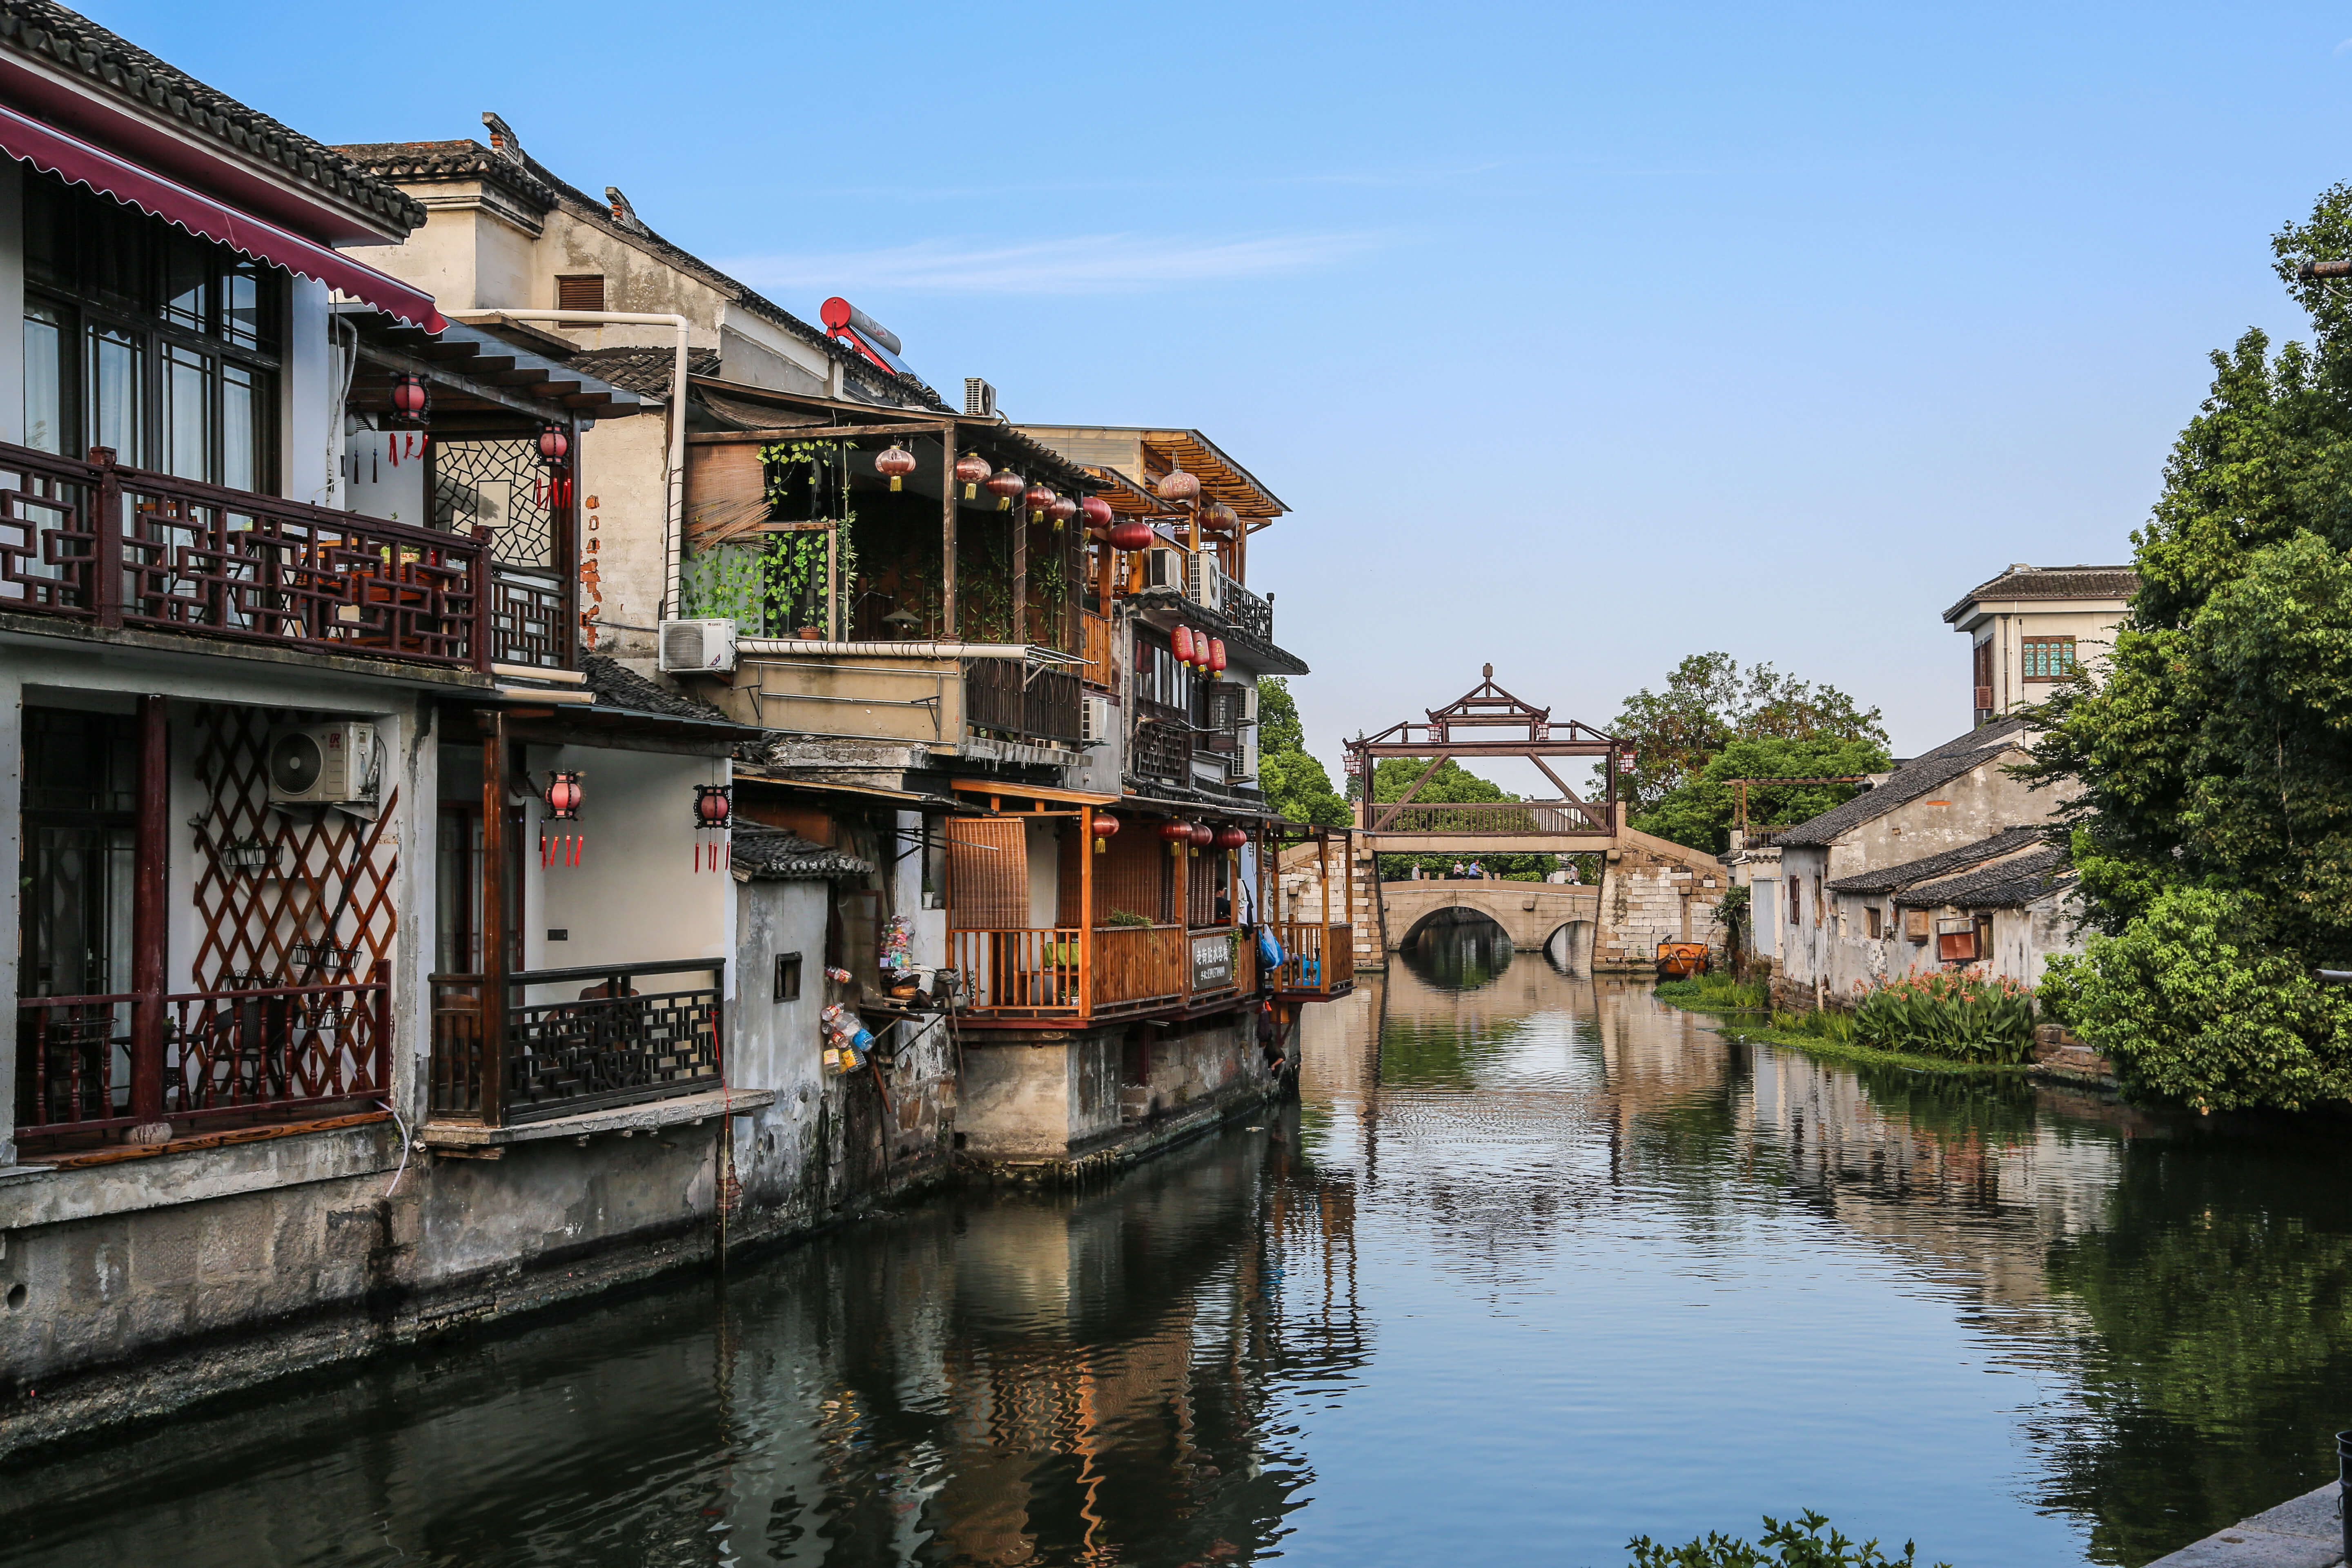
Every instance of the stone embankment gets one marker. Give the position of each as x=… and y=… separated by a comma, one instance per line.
x=2308, y=1533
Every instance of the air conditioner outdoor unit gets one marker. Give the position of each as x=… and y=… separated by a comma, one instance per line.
x=1202, y=579
x=1098, y=721
x=1249, y=707
x=1246, y=760
x=324, y=764
x=697, y=647
x=1164, y=568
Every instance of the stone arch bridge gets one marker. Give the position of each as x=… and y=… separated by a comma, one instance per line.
x=1531, y=913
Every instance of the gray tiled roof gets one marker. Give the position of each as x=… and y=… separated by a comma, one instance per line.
x=2052, y=583
x=644, y=370
x=64, y=40
x=2006, y=885
x=779, y=856
x=1908, y=783
x=1886, y=878
x=615, y=684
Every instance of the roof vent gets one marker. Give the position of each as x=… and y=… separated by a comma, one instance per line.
x=978, y=399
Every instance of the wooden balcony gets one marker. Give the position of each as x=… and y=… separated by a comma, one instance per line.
x=1068, y=974
x=226, y=1058
x=567, y=1041
x=112, y=546
x=1101, y=669
x=903, y=692
x=1317, y=959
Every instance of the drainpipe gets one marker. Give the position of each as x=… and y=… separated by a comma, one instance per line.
x=674, y=521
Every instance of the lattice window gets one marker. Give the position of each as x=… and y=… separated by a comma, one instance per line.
x=321, y=911
x=501, y=486
x=2049, y=659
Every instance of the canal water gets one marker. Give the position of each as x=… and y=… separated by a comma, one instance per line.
x=1534, y=1265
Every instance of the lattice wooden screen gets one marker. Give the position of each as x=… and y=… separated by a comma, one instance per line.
x=988, y=873
x=322, y=911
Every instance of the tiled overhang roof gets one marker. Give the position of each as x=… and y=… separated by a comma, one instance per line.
x=2052, y=583
x=66, y=40
x=1887, y=879
x=777, y=857
x=2008, y=885
x=1908, y=783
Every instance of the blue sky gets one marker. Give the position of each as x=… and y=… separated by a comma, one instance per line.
x=1577, y=337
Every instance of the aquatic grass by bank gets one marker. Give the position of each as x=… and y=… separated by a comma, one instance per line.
x=1829, y=1033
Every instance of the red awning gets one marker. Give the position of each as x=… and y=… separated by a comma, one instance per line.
x=53, y=151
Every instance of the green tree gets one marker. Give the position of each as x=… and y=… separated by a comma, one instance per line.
x=1700, y=812
x=1708, y=702
x=1295, y=784
x=2216, y=753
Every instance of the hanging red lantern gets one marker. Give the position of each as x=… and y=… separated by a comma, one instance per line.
x=410, y=398
x=714, y=810
x=894, y=462
x=1220, y=519
x=1231, y=837
x=1038, y=501
x=1061, y=511
x=1133, y=533
x=1179, y=834
x=1005, y=486
x=1104, y=827
x=1180, y=642
x=554, y=444
x=1178, y=485
x=1216, y=655
x=972, y=470
x=563, y=797
x=1202, y=836
x=1099, y=514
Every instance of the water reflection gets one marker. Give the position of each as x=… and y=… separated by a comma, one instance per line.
x=1533, y=1264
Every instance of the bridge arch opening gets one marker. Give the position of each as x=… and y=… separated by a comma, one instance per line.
x=1457, y=948
x=1570, y=947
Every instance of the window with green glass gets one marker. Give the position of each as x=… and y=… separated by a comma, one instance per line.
x=2049, y=659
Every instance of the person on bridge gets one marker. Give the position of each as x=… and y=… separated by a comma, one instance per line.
x=1477, y=872
x=1458, y=872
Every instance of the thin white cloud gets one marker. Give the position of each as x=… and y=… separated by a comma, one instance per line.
x=2339, y=48
x=1082, y=264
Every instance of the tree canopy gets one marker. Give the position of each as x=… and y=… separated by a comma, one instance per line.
x=1708, y=702
x=1701, y=812
x=1295, y=784
x=2213, y=828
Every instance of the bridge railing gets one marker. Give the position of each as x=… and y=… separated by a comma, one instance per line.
x=1496, y=816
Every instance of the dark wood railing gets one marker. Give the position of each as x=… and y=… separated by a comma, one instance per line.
x=1545, y=816
x=242, y=1056
x=1005, y=695
x=608, y=1045
x=1246, y=611
x=1161, y=749
x=115, y=546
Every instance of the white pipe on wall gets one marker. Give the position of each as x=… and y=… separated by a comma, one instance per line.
x=673, y=524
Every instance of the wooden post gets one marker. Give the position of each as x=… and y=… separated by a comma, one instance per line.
x=1085, y=911
x=485, y=585
x=1372, y=874
x=493, y=724
x=1323, y=857
x=1020, y=571
x=148, y=918
x=106, y=520
x=947, y=622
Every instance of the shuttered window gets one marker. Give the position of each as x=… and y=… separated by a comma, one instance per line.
x=580, y=293
x=988, y=873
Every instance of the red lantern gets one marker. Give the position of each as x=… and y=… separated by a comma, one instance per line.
x=714, y=808
x=1177, y=835
x=1178, y=485
x=1038, y=499
x=895, y=463
x=554, y=444
x=1181, y=642
x=1106, y=828
x=1005, y=486
x=1216, y=655
x=563, y=797
x=1203, y=836
x=1231, y=837
x=1099, y=514
x=1062, y=511
x=972, y=470
x=1132, y=534
x=1220, y=519
x=409, y=397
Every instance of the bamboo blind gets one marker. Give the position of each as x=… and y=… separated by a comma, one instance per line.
x=988, y=873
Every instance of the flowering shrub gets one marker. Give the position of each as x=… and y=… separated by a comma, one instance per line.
x=1963, y=1015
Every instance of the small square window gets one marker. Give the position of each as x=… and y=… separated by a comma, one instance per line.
x=788, y=977
x=1870, y=919
x=580, y=293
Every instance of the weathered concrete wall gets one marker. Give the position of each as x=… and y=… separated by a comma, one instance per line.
x=1654, y=891
x=1052, y=1096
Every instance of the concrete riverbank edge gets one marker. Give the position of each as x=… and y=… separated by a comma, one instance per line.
x=2306, y=1533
